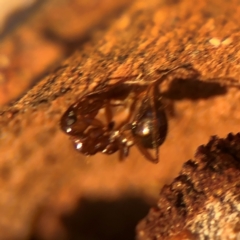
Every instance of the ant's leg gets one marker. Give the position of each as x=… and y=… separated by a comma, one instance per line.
x=109, y=114
x=123, y=151
x=146, y=153
x=167, y=73
x=186, y=66
x=130, y=114
x=121, y=80
x=153, y=104
x=93, y=122
x=225, y=81
x=123, y=77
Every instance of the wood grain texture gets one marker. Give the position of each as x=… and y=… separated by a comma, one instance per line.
x=42, y=177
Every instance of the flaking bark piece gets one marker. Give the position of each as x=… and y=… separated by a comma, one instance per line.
x=203, y=202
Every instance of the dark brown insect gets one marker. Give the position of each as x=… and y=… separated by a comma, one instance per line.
x=145, y=125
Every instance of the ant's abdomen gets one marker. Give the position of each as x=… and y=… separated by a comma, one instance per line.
x=151, y=132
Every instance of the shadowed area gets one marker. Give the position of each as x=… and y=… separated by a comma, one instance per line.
x=180, y=89
x=95, y=219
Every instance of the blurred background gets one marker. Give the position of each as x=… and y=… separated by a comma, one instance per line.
x=48, y=190
x=36, y=35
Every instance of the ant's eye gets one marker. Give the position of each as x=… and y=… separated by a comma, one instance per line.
x=71, y=124
x=150, y=133
x=68, y=119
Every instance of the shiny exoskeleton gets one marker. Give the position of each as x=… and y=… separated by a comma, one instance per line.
x=91, y=125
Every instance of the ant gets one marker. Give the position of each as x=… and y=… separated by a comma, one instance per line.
x=146, y=125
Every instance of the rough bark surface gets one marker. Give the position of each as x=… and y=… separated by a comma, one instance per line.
x=42, y=177
x=203, y=201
